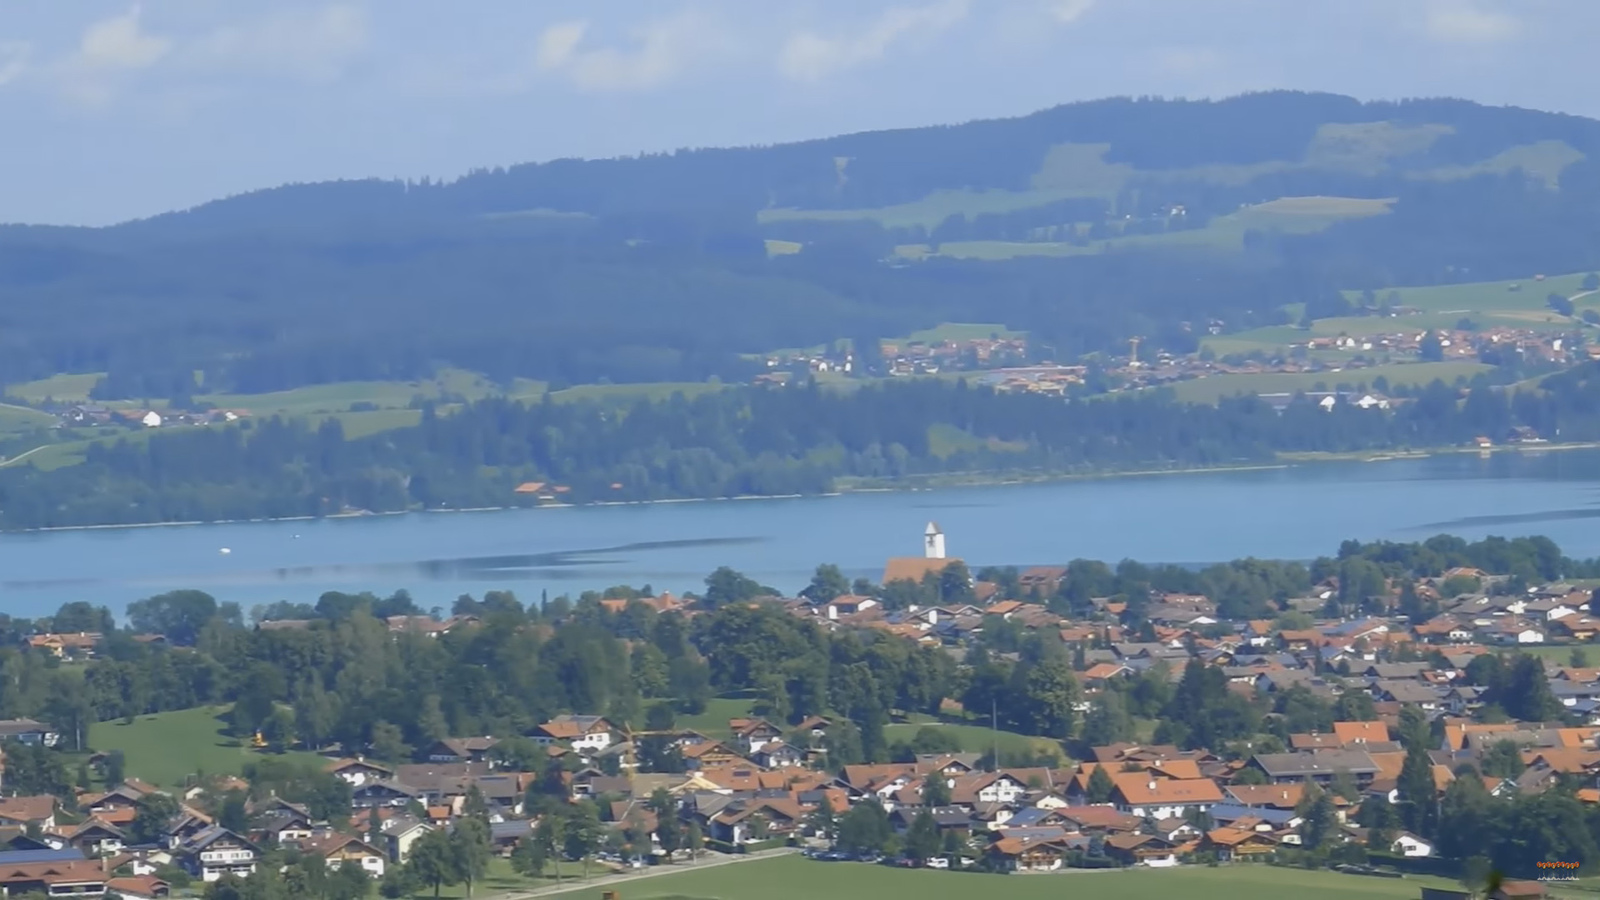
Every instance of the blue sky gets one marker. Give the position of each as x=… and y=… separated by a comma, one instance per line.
x=111, y=109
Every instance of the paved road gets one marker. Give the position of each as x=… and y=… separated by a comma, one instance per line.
x=709, y=861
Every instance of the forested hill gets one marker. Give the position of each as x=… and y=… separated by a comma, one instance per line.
x=1084, y=225
x=1268, y=144
x=751, y=441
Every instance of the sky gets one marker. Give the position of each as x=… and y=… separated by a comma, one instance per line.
x=111, y=109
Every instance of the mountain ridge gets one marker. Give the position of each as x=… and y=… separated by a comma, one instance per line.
x=1083, y=224
x=1096, y=121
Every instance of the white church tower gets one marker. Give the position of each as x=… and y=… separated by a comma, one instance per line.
x=933, y=542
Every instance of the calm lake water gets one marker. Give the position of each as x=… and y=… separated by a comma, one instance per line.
x=1290, y=513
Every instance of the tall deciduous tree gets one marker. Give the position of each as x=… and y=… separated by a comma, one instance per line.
x=1418, y=796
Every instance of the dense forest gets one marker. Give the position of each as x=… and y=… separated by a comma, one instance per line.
x=739, y=442
x=655, y=268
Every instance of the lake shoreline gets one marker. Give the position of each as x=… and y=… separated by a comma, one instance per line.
x=933, y=482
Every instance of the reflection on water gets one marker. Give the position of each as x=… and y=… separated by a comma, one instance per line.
x=1553, y=515
x=1295, y=512
x=589, y=564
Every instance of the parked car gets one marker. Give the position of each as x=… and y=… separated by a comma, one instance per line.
x=938, y=862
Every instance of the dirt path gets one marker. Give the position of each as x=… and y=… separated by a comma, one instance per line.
x=608, y=881
x=22, y=456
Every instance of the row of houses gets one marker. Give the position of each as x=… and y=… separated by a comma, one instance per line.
x=92, y=414
x=94, y=855
x=1165, y=804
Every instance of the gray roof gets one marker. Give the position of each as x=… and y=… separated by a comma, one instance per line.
x=1563, y=688
x=1531, y=737
x=1129, y=650
x=1398, y=670
x=394, y=786
x=1407, y=691
x=13, y=727
x=1322, y=762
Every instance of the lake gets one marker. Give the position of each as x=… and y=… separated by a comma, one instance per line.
x=1296, y=512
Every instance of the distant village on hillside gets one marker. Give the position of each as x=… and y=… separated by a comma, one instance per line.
x=1014, y=365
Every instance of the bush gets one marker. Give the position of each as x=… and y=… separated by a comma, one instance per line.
x=1416, y=865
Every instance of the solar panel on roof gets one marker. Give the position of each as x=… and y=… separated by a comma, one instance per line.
x=19, y=857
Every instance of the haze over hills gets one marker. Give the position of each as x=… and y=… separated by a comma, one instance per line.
x=1083, y=224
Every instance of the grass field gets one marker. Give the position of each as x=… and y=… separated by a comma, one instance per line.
x=333, y=398
x=386, y=405
x=713, y=723
x=1562, y=652
x=946, y=440
x=1077, y=170
x=167, y=747
x=1544, y=160
x=1296, y=215
x=72, y=388
x=928, y=211
x=23, y=419
x=1209, y=390
x=963, y=331
x=1523, y=294
x=629, y=393
x=1517, y=304
x=976, y=738
x=795, y=878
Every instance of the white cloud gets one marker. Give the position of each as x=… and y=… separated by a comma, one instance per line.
x=119, y=43
x=808, y=56
x=315, y=44
x=1067, y=11
x=1188, y=60
x=1469, y=23
x=110, y=49
x=13, y=60
x=662, y=50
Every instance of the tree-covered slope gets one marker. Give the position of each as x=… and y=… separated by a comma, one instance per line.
x=1112, y=218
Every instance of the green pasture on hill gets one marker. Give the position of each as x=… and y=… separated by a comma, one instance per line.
x=339, y=397
x=1295, y=215
x=976, y=738
x=165, y=748
x=1079, y=170
x=383, y=406
x=1521, y=294
x=792, y=877
x=1520, y=303
x=713, y=722
x=928, y=211
x=23, y=419
x=67, y=388
x=1210, y=390
x=962, y=331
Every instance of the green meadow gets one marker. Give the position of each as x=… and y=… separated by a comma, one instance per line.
x=792, y=877
x=165, y=748
x=1210, y=390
